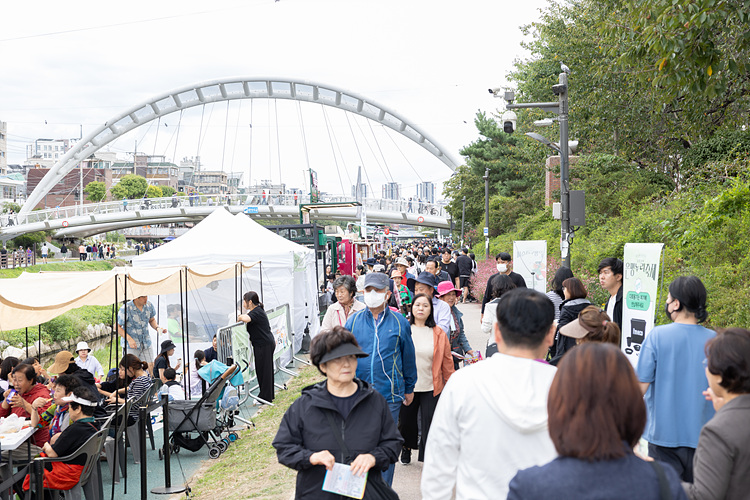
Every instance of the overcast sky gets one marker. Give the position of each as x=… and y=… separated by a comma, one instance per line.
x=83, y=62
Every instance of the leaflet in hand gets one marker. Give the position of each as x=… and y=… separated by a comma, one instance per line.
x=340, y=480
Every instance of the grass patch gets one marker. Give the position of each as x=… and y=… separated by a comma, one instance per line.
x=96, y=265
x=249, y=468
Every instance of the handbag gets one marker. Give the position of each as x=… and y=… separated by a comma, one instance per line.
x=376, y=488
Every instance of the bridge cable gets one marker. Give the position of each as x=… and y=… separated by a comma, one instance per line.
x=402, y=154
x=250, y=161
x=336, y=141
x=304, y=139
x=200, y=129
x=336, y=162
x=208, y=125
x=278, y=140
x=359, y=153
x=236, y=133
x=374, y=156
x=270, y=156
x=385, y=162
x=224, y=146
x=171, y=138
x=177, y=139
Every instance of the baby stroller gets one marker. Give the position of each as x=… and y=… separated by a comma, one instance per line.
x=187, y=417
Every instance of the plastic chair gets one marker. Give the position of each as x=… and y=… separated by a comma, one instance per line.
x=91, y=448
x=110, y=443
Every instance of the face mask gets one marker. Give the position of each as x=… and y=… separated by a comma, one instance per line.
x=501, y=268
x=666, y=311
x=374, y=299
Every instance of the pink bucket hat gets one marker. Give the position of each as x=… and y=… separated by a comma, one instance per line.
x=447, y=287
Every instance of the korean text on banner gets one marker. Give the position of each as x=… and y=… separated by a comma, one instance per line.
x=280, y=320
x=640, y=283
x=530, y=261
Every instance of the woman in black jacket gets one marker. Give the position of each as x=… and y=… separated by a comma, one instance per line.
x=306, y=440
x=575, y=302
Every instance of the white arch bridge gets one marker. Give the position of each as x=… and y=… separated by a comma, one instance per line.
x=96, y=218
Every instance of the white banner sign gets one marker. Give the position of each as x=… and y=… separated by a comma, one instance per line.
x=530, y=261
x=640, y=284
x=280, y=321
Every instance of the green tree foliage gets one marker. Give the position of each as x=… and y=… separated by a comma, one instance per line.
x=167, y=191
x=724, y=146
x=465, y=183
x=95, y=191
x=130, y=186
x=9, y=206
x=696, y=53
x=154, y=192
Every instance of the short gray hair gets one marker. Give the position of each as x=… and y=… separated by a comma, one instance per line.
x=347, y=282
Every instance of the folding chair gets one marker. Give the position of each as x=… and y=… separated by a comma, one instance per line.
x=116, y=443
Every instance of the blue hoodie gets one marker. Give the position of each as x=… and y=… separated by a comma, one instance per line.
x=391, y=368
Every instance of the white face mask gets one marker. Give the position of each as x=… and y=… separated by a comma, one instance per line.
x=374, y=299
x=501, y=268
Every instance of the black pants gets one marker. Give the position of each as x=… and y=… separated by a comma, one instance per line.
x=263, y=354
x=681, y=459
x=407, y=420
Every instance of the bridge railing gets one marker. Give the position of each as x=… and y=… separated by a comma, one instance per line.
x=57, y=213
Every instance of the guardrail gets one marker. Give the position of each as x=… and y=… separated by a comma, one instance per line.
x=437, y=209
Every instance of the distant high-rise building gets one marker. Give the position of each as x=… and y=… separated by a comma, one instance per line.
x=426, y=191
x=46, y=152
x=392, y=191
x=362, y=190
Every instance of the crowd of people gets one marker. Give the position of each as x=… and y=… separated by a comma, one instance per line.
x=555, y=411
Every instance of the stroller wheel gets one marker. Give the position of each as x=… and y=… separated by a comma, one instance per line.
x=222, y=445
x=214, y=451
x=233, y=437
x=175, y=449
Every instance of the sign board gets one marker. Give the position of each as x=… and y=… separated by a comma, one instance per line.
x=281, y=327
x=314, y=193
x=530, y=261
x=640, y=284
x=420, y=219
x=251, y=210
x=387, y=231
x=486, y=231
x=233, y=341
x=64, y=223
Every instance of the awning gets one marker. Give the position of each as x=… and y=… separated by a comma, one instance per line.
x=35, y=298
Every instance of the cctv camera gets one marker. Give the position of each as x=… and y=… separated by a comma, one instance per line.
x=496, y=91
x=509, y=120
x=559, y=88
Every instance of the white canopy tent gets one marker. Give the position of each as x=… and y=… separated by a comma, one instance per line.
x=286, y=274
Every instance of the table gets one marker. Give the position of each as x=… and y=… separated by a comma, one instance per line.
x=11, y=442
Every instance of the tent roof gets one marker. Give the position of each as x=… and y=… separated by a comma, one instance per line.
x=220, y=238
x=35, y=298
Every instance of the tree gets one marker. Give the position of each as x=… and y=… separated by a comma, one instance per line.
x=167, y=191
x=130, y=186
x=96, y=191
x=466, y=183
x=153, y=192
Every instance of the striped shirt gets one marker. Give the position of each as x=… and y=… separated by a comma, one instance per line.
x=136, y=389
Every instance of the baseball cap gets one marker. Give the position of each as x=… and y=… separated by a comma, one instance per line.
x=377, y=280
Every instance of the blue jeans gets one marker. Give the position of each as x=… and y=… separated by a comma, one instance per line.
x=395, y=408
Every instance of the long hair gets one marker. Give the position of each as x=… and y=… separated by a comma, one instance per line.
x=252, y=298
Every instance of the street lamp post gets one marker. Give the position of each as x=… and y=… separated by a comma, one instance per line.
x=561, y=108
x=486, y=213
x=463, y=218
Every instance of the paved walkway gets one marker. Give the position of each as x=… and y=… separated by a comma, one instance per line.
x=407, y=477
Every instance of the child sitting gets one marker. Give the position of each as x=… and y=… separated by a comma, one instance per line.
x=65, y=475
x=56, y=417
x=171, y=387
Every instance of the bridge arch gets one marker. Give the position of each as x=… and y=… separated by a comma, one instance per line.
x=225, y=90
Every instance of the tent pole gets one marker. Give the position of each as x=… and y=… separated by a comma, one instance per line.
x=125, y=351
x=236, y=303
x=260, y=270
x=27, y=341
x=39, y=349
x=117, y=349
x=187, y=316
x=182, y=331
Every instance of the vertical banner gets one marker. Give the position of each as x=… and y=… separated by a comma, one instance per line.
x=640, y=284
x=530, y=261
x=279, y=319
x=314, y=193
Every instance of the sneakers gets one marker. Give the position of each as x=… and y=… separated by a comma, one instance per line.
x=405, y=455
